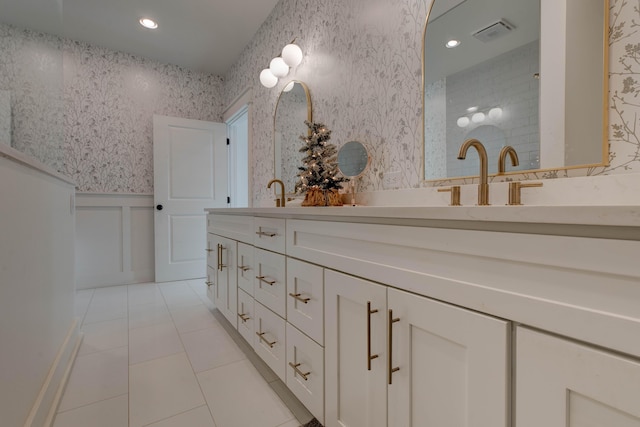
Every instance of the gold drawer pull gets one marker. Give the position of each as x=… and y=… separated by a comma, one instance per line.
x=298, y=371
x=265, y=234
x=391, y=369
x=209, y=250
x=244, y=268
x=267, y=342
x=209, y=283
x=297, y=297
x=243, y=317
x=370, y=356
x=268, y=282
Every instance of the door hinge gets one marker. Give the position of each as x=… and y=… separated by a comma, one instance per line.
x=228, y=141
x=228, y=199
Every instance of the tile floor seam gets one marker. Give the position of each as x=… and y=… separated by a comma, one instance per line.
x=91, y=403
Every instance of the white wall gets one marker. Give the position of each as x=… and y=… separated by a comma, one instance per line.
x=38, y=332
x=114, y=239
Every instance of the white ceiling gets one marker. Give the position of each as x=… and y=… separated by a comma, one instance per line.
x=202, y=35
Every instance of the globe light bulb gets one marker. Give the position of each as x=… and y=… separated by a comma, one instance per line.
x=463, y=122
x=495, y=113
x=292, y=55
x=477, y=118
x=278, y=67
x=267, y=78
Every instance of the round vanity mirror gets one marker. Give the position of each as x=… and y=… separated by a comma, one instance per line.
x=353, y=159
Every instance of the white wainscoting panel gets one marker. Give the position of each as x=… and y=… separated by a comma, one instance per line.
x=114, y=239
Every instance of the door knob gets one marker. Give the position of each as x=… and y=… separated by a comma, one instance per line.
x=159, y=207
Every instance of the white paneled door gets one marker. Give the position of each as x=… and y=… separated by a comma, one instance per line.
x=190, y=174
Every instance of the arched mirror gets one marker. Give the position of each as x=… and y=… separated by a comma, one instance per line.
x=292, y=109
x=353, y=160
x=527, y=73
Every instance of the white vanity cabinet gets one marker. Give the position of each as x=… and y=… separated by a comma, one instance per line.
x=564, y=383
x=224, y=275
x=427, y=363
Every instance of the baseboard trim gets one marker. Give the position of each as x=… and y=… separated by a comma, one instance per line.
x=43, y=411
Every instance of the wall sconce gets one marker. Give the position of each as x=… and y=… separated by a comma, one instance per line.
x=279, y=66
x=479, y=116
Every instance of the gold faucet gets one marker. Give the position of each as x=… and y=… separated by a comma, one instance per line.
x=503, y=157
x=281, y=201
x=483, y=187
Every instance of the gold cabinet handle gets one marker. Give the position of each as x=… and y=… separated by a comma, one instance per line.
x=268, y=282
x=298, y=298
x=263, y=339
x=244, y=268
x=304, y=375
x=208, y=283
x=220, y=264
x=370, y=356
x=243, y=317
x=265, y=234
x=209, y=250
x=390, y=367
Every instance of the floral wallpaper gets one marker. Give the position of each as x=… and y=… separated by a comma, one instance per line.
x=362, y=64
x=110, y=99
x=88, y=111
x=31, y=74
x=363, y=67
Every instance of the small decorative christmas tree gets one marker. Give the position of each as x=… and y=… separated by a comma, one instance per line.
x=318, y=177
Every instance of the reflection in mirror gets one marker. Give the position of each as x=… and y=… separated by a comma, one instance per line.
x=292, y=109
x=505, y=83
x=353, y=159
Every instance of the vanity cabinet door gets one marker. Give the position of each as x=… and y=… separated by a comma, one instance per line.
x=245, y=268
x=355, y=384
x=225, y=293
x=452, y=365
x=269, y=339
x=305, y=298
x=562, y=383
x=246, y=316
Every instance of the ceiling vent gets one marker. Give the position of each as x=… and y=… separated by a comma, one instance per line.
x=494, y=31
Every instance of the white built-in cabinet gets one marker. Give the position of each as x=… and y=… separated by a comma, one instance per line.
x=427, y=363
x=562, y=383
x=389, y=325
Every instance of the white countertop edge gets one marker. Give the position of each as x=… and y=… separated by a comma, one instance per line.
x=19, y=157
x=628, y=216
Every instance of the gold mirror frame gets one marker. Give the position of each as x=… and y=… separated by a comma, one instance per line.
x=277, y=170
x=605, y=114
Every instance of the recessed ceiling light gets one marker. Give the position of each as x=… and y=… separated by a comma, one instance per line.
x=148, y=23
x=452, y=43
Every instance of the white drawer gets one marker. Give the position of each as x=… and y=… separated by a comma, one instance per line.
x=237, y=227
x=270, y=234
x=270, y=280
x=305, y=371
x=305, y=298
x=246, y=316
x=269, y=339
x=246, y=273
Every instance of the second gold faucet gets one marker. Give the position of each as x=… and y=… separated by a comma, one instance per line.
x=280, y=202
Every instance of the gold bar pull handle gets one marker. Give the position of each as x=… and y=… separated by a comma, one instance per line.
x=208, y=283
x=264, y=280
x=263, y=339
x=265, y=234
x=244, y=268
x=370, y=356
x=391, y=369
x=209, y=250
x=304, y=375
x=243, y=317
x=455, y=194
x=220, y=264
x=298, y=297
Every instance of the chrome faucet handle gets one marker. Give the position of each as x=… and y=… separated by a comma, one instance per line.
x=455, y=194
x=515, y=195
